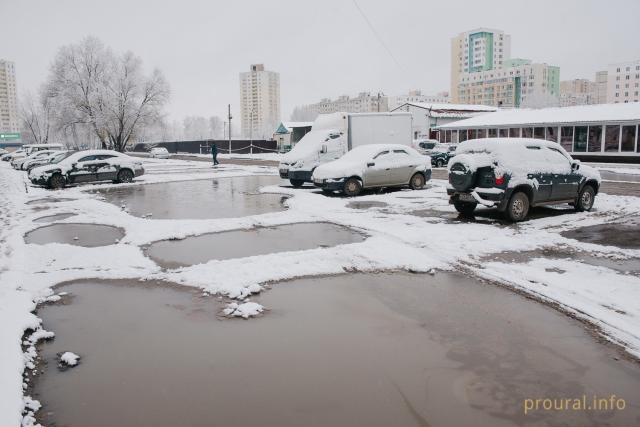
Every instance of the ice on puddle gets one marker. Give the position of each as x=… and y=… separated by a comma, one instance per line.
x=70, y=359
x=245, y=310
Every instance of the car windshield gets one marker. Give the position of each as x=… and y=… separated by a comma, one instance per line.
x=60, y=157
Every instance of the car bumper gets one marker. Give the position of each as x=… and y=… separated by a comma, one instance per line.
x=485, y=198
x=138, y=172
x=427, y=174
x=300, y=175
x=329, y=184
x=39, y=180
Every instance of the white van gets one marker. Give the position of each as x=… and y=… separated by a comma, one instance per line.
x=32, y=148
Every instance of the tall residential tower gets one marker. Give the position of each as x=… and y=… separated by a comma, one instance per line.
x=8, y=98
x=259, y=102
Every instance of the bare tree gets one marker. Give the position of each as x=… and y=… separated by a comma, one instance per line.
x=36, y=115
x=94, y=87
x=303, y=114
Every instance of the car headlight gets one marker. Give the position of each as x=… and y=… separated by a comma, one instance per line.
x=334, y=179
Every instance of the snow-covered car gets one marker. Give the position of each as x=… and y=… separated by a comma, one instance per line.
x=3, y=151
x=41, y=160
x=21, y=163
x=371, y=166
x=442, y=153
x=159, y=153
x=514, y=174
x=424, y=146
x=16, y=154
x=86, y=166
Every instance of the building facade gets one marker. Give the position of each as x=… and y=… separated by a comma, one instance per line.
x=623, y=82
x=518, y=83
x=482, y=49
x=578, y=92
x=9, y=121
x=365, y=102
x=259, y=102
x=602, y=79
x=417, y=96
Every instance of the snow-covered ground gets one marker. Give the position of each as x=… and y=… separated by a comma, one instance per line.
x=256, y=156
x=398, y=239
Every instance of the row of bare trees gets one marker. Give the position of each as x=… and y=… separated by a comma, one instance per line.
x=93, y=91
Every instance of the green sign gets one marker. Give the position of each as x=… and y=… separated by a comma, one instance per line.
x=9, y=136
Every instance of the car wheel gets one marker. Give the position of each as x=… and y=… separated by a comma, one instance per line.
x=439, y=163
x=352, y=187
x=585, y=199
x=296, y=182
x=125, y=175
x=417, y=181
x=465, y=208
x=518, y=207
x=57, y=181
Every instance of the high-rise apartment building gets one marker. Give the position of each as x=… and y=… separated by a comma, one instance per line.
x=482, y=49
x=518, y=83
x=365, y=102
x=417, y=96
x=623, y=83
x=259, y=102
x=578, y=92
x=601, y=87
x=9, y=121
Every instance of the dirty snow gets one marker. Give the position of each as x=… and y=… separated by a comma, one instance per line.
x=398, y=240
x=69, y=358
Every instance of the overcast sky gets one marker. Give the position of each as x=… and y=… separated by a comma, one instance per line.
x=321, y=48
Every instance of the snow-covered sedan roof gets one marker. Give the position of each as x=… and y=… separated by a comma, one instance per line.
x=622, y=112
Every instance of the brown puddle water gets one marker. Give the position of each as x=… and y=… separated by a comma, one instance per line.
x=620, y=235
x=244, y=243
x=201, y=199
x=86, y=235
x=351, y=350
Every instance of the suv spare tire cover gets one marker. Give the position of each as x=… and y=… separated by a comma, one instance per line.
x=460, y=177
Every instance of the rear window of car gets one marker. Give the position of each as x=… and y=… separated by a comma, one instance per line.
x=381, y=154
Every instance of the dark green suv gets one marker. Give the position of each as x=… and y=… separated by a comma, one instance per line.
x=514, y=174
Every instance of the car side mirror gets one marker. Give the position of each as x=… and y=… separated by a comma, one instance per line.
x=575, y=166
x=73, y=165
x=370, y=164
x=324, y=148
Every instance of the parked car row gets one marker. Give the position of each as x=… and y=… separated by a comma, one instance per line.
x=59, y=168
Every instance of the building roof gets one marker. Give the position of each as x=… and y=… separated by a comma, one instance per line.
x=287, y=127
x=445, y=107
x=622, y=112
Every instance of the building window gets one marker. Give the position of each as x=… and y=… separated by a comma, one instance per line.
x=514, y=133
x=527, y=132
x=580, y=144
x=595, y=139
x=538, y=133
x=504, y=133
x=492, y=133
x=566, y=137
x=462, y=135
x=552, y=134
x=628, y=140
x=611, y=137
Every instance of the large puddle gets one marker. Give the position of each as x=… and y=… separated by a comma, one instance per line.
x=620, y=235
x=87, y=235
x=202, y=199
x=244, y=243
x=361, y=349
x=53, y=218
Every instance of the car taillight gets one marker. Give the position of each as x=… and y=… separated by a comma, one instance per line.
x=499, y=180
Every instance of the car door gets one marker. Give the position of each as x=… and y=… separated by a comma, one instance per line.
x=106, y=167
x=83, y=170
x=537, y=163
x=378, y=169
x=565, y=181
x=404, y=165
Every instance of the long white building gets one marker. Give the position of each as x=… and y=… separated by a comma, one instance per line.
x=259, y=102
x=9, y=121
x=623, y=82
x=417, y=96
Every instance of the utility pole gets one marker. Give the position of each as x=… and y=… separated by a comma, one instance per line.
x=251, y=132
x=229, y=106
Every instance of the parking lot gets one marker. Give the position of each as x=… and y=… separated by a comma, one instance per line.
x=219, y=284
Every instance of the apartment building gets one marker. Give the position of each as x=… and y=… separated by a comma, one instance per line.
x=519, y=82
x=602, y=80
x=578, y=92
x=417, y=96
x=623, y=82
x=482, y=49
x=9, y=121
x=259, y=102
x=365, y=102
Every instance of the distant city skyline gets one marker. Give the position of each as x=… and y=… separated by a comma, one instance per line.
x=215, y=41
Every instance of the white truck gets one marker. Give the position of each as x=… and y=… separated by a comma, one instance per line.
x=332, y=135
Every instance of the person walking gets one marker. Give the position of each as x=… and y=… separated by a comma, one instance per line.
x=214, y=154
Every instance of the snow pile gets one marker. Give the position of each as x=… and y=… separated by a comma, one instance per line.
x=245, y=310
x=69, y=359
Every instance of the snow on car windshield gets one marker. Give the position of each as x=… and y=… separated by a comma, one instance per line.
x=61, y=157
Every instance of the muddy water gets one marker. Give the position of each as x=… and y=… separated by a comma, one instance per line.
x=217, y=198
x=620, y=235
x=86, y=235
x=366, y=205
x=353, y=350
x=244, y=243
x=52, y=218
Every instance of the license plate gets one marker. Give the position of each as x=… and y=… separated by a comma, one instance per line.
x=466, y=197
x=318, y=181
x=284, y=171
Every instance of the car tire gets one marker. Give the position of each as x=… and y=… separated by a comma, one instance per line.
x=125, y=175
x=352, y=187
x=439, y=163
x=585, y=200
x=417, y=181
x=518, y=207
x=57, y=181
x=296, y=182
x=465, y=208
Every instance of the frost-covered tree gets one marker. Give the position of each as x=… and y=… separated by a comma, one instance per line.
x=303, y=114
x=196, y=127
x=216, y=127
x=36, y=115
x=108, y=92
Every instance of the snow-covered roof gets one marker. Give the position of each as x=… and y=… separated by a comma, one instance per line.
x=449, y=108
x=291, y=125
x=622, y=112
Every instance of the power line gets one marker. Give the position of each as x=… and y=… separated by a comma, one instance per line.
x=373, y=30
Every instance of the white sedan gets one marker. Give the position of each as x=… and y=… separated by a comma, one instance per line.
x=75, y=167
x=374, y=166
x=159, y=153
